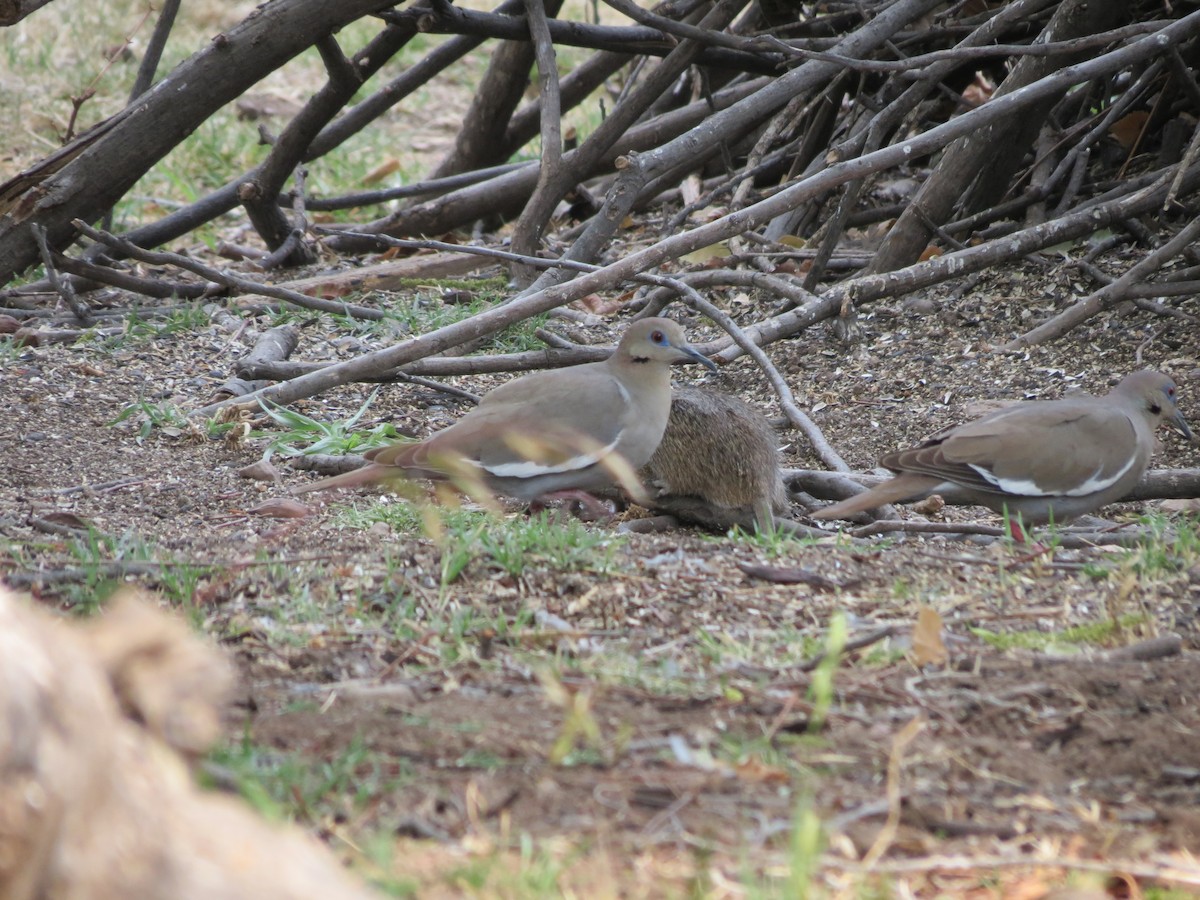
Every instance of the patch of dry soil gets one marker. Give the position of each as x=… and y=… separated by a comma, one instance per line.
x=707, y=737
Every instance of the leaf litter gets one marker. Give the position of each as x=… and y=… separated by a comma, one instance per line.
x=671, y=722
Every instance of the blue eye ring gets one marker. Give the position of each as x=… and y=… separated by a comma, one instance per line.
x=658, y=337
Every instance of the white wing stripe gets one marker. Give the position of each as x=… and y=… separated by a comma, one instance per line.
x=530, y=469
x=1028, y=488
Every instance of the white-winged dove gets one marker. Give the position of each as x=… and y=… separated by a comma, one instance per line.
x=1046, y=460
x=718, y=463
x=554, y=431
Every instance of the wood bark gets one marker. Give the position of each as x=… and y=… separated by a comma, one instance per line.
x=109, y=161
x=13, y=11
x=480, y=139
x=976, y=170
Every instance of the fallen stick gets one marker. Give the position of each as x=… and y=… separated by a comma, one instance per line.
x=1156, y=484
x=274, y=345
x=1109, y=295
x=234, y=282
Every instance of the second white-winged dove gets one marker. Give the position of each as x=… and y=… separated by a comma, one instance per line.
x=1045, y=460
x=564, y=430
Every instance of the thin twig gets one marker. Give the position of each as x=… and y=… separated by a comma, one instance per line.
x=234, y=282
x=61, y=285
x=1110, y=294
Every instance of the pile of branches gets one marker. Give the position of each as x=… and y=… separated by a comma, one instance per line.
x=982, y=132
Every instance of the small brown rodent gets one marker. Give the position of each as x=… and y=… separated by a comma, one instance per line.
x=718, y=463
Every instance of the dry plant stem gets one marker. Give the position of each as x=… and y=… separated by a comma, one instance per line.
x=13, y=11
x=1152, y=648
x=896, y=526
x=527, y=234
x=1103, y=127
x=136, y=138
x=875, y=129
x=1110, y=294
x=293, y=246
x=403, y=192
x=895, y=795
x=233, y=282
x=273, y=345
x=1080, y=540
x=779, y=123
x=37, y=337
x=364, y=113
x=1171, y=871
x=115, y=570
x=975, y=170
x=87, y=274
x=261, y=194
x=965, y=52
x=328, y=463
x=618, y=39
x=577, y=165
x=438, y=386
x=507, y=194
x=54, y=317
x=225, y=198
x=61, y=285
x=533, y=302
x=688, y=31
x=854, y=644
x=154, y=49
x=444, y=366
x=868, y=288
x=699, y=143
x=778, y=285
x=1156, y=484
x=1189, y=157
x=1160, y=310
x=787, y=400
x=497, y=94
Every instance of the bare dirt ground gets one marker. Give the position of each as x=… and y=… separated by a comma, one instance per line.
x=671, y=738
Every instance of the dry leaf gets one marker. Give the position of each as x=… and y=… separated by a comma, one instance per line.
x=690, y=189
x=927, y=646
x=280, y=508
x=794, y=575
x=259, y=471
x=706, y=254
x=597, y=305
x=980, y=90
x=930, y=506
x=1127, y=129
x=756, y=770
x=382, y=171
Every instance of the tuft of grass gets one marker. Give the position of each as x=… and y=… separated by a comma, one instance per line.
x=93, y=553
x=167, y=418
x=775, y=543
x=820, y=688
x=291, y=787
x=306, y=435
x=515, y=544
x=512, y=544
x=1098, y=633
x=421, y=309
